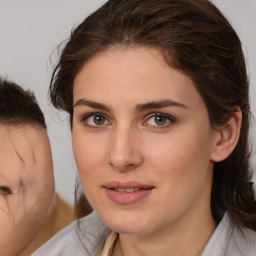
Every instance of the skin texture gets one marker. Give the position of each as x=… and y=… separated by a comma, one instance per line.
x=26, y=185
x=128, y=143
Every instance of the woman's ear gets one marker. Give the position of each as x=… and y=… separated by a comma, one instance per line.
x=227, y=136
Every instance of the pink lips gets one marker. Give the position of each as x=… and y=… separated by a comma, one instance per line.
x=126, y=193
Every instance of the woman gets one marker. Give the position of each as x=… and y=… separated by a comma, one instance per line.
x=157, y=94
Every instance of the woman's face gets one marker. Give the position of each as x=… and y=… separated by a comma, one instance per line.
x=142, y=141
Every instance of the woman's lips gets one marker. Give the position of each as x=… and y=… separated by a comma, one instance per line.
x=126, y=193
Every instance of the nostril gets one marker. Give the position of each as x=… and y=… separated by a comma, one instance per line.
x=5, y=191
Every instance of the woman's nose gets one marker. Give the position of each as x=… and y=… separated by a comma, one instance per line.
x=124, y=151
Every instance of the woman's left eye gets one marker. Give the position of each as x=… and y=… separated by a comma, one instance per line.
x=95, y=120
x=159, y=120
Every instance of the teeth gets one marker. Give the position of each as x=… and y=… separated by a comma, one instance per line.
x=127, y=190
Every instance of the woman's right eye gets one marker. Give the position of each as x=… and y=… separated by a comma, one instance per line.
x=95, y=120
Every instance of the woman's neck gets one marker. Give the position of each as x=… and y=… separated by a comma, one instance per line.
x=184, y=237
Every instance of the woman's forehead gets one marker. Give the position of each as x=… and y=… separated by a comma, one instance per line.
x=137, y=75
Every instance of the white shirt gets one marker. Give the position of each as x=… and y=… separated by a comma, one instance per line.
x=85, y=237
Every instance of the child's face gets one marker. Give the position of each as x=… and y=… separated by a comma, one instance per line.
x=26, y=185
x=142, y=141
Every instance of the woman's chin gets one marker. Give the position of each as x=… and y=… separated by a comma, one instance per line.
x=127, y=224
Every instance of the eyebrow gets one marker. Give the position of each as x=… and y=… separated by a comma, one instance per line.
x=159, y=104
x=92, y=104
x=138, y=108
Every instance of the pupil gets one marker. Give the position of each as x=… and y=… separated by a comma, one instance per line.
x=99, y=120
x=160, y=120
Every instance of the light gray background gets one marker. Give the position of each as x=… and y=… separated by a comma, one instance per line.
x=31, y=29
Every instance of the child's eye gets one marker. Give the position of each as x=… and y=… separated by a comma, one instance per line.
x=5, y=191
x=159, y=119
x=95, y=120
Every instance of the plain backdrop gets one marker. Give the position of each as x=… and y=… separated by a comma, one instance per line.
x=30, y=30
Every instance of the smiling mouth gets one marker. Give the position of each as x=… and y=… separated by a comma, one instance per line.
x=127, y=193
x=128, y=190
x=127, y=187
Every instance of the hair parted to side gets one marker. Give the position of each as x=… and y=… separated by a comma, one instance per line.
x=194, y=38
x=18, y=106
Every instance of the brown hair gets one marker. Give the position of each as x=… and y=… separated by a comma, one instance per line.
x=18, y=106
x=195, y=38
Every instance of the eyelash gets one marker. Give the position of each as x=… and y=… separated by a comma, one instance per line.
x=94, y=114
x=170, y=119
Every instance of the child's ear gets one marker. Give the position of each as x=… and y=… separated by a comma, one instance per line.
x=227, y=136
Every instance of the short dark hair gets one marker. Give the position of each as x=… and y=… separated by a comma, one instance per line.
x=195, y=38
x=18, y=106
